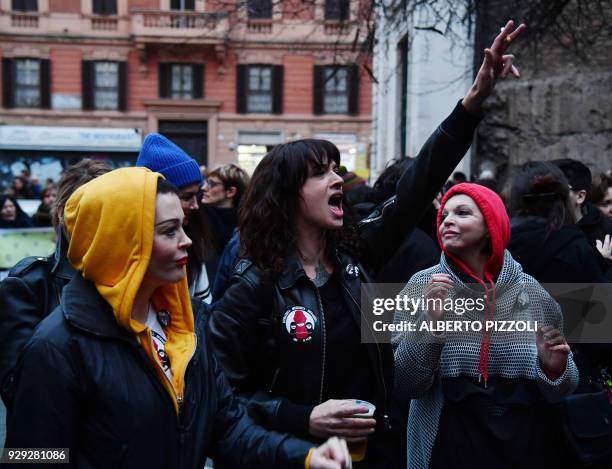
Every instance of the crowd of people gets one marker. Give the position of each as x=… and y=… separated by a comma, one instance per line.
x=186, y=316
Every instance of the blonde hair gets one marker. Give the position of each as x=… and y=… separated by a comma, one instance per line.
x=232, y=175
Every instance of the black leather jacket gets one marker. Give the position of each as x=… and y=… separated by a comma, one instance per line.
x=28, y=294
x=280, y=378
x=85, y=383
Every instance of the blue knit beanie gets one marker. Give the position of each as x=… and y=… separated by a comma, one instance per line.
x=162, y=156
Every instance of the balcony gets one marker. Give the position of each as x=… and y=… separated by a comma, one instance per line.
x=259, y=26
x=24, y=20
x=157, y=26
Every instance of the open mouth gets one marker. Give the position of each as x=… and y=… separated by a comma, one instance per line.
x=335, y=205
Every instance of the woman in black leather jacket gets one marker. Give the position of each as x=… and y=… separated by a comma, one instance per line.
x=287, y=329
x=116, y=372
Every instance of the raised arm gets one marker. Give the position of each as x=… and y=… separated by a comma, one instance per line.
x=385, y=228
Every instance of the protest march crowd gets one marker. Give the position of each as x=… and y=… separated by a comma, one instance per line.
x=186, y=316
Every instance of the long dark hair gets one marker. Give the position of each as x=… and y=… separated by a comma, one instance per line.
x=541, y=189
x=22, y=219
x=268, y=212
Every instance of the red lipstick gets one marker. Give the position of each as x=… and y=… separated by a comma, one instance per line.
x=182, y=262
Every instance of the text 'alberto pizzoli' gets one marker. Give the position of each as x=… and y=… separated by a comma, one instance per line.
x=455, y=326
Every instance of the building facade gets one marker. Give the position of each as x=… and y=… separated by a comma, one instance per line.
x=225, y=80
x=421, y=74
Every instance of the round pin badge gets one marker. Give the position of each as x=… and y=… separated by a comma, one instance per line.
x=352, y=270
x=300, y=323
x=163, y=317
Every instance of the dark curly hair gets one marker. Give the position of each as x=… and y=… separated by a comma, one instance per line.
x=270, y=206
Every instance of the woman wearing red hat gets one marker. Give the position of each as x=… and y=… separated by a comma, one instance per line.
x=478, y=392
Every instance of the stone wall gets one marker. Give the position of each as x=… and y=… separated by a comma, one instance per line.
x=560, y=108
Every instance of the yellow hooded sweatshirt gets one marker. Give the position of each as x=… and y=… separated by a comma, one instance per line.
x=111, y=225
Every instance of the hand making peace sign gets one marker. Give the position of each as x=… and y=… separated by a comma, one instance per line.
x=496, y=64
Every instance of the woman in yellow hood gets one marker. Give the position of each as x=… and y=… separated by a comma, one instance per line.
x=118, y=373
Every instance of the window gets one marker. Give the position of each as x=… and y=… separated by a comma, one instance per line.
x=260, y=88
x=259, y=91
x=183, y=5
x=25, y=5
x=105, y=7
x=26, y=83
x=104, y=85
x=181, y=81
x=337, y=10
x=181, y=84
x=336, y=89
x=335, y=98
x=259, y=9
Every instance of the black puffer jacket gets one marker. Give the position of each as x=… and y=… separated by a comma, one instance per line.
x=282, y=379
x=28, y=294
x=103, y=399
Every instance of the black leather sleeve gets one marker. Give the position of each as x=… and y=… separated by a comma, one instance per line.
x=23, y=299
x=239, y=442
x=389, y=224
x=44, y=416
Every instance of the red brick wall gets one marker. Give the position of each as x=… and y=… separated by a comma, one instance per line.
x=66, y=71
x=365, y=92
x=221, y=87
x=297, y=9
x=152, y=4
x=298, y=84
x=139, y=87
x=65, y=6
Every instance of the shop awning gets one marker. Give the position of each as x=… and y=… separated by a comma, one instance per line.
x=39, y=138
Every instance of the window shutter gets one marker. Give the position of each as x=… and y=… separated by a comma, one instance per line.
x=241, y=88
x=175, y=4
x=198, y=81
x=8, y=83
x=87, y=85
x=189, y=4
x=24, y=5
x=123, y=86
x=318, y=90
x=111, y=7
x=353, y=90
x=278, y=82
x=105, y=7
x=164, y=80
x=344, y=10
x=45, y=84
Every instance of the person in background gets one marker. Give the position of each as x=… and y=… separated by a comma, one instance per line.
x=481, y=400
x=20, y=188
x=160, y=154
x=588, y=218
x=42, y=217
x=34, y=285
x=119, y=373
x=417, y=251
x=36, y=186
x=601, y=194
x=221, y=196
x=11, y=214
x=545, y=239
